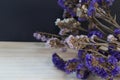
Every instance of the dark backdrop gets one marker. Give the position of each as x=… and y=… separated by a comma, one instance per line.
x=20, y=18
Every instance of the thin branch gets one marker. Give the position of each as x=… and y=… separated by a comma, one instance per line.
x=48, y=34
x=101, y=25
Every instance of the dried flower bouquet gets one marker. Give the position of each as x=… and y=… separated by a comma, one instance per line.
x=101, y=30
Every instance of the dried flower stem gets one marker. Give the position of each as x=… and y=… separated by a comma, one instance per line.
x=108, y=18
x=98, y=44
x=111, y=21
x=101, y=25
x=48, y=34
x=96, y=53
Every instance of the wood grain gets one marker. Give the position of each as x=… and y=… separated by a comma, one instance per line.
x=31, y=61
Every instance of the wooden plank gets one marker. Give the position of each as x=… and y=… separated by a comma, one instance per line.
x=32, y=61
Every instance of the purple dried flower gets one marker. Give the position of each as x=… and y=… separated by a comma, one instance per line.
x=35, y=34
x=115, y=54
x=112, y=60
x=62, y=4
x=82, y=71
x=58, y=62
x=117, y=31
x=88, y=61
x=81, y=66
x=81, y=19
x=100, y=72
x=64, y=31
x=38, y=36
x=81, y=54
x=115, y=71
x=95, y=69
x=96, y=32
x=100, y=66
x=82, y=74
x=91, y=9
x=102, y=60
x=43, y=38
x=71, y=65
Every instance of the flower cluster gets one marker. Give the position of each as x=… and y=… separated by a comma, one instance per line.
x=39, y=36
x=58, y=62
x=68, y=26
x=70, y=66
x=86, y=63
x=88, y=27
x=105, y=67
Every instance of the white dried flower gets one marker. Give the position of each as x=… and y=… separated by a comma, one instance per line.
x=64, y=31
x=66, y=20
x=80, y=1
x=38, y=37
x=49, y=42
x=111, y=38
x=92, y=38
x=57, y=21
x=83, y=36
x=79, y=12
x=84, y=8
x=68, y=40
x=77, y=42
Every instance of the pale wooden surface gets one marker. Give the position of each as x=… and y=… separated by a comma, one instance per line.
x=31, y=61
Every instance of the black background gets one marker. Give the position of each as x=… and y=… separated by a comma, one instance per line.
x=20, y=18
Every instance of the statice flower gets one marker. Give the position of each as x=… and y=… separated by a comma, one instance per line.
x=69, y=41
x=81, y=55
x=64, y=31
x=61, y=3
x=115, y=54
x=37, y=36
x=91, y=9
x=96, y=33
x=58, y=62
x=112, y=60
x=40, y=37
x=65, y=5
x=44, y=38
x=73, y=41
x=82, y=72
x=111, y=38
x=116, y=71
x=99, y=66
x=54, y=42
x=98, y=52
x=71, y=65
x=117, y=31
x=88, y=59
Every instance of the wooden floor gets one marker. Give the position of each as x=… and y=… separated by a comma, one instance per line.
x=31, y=61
